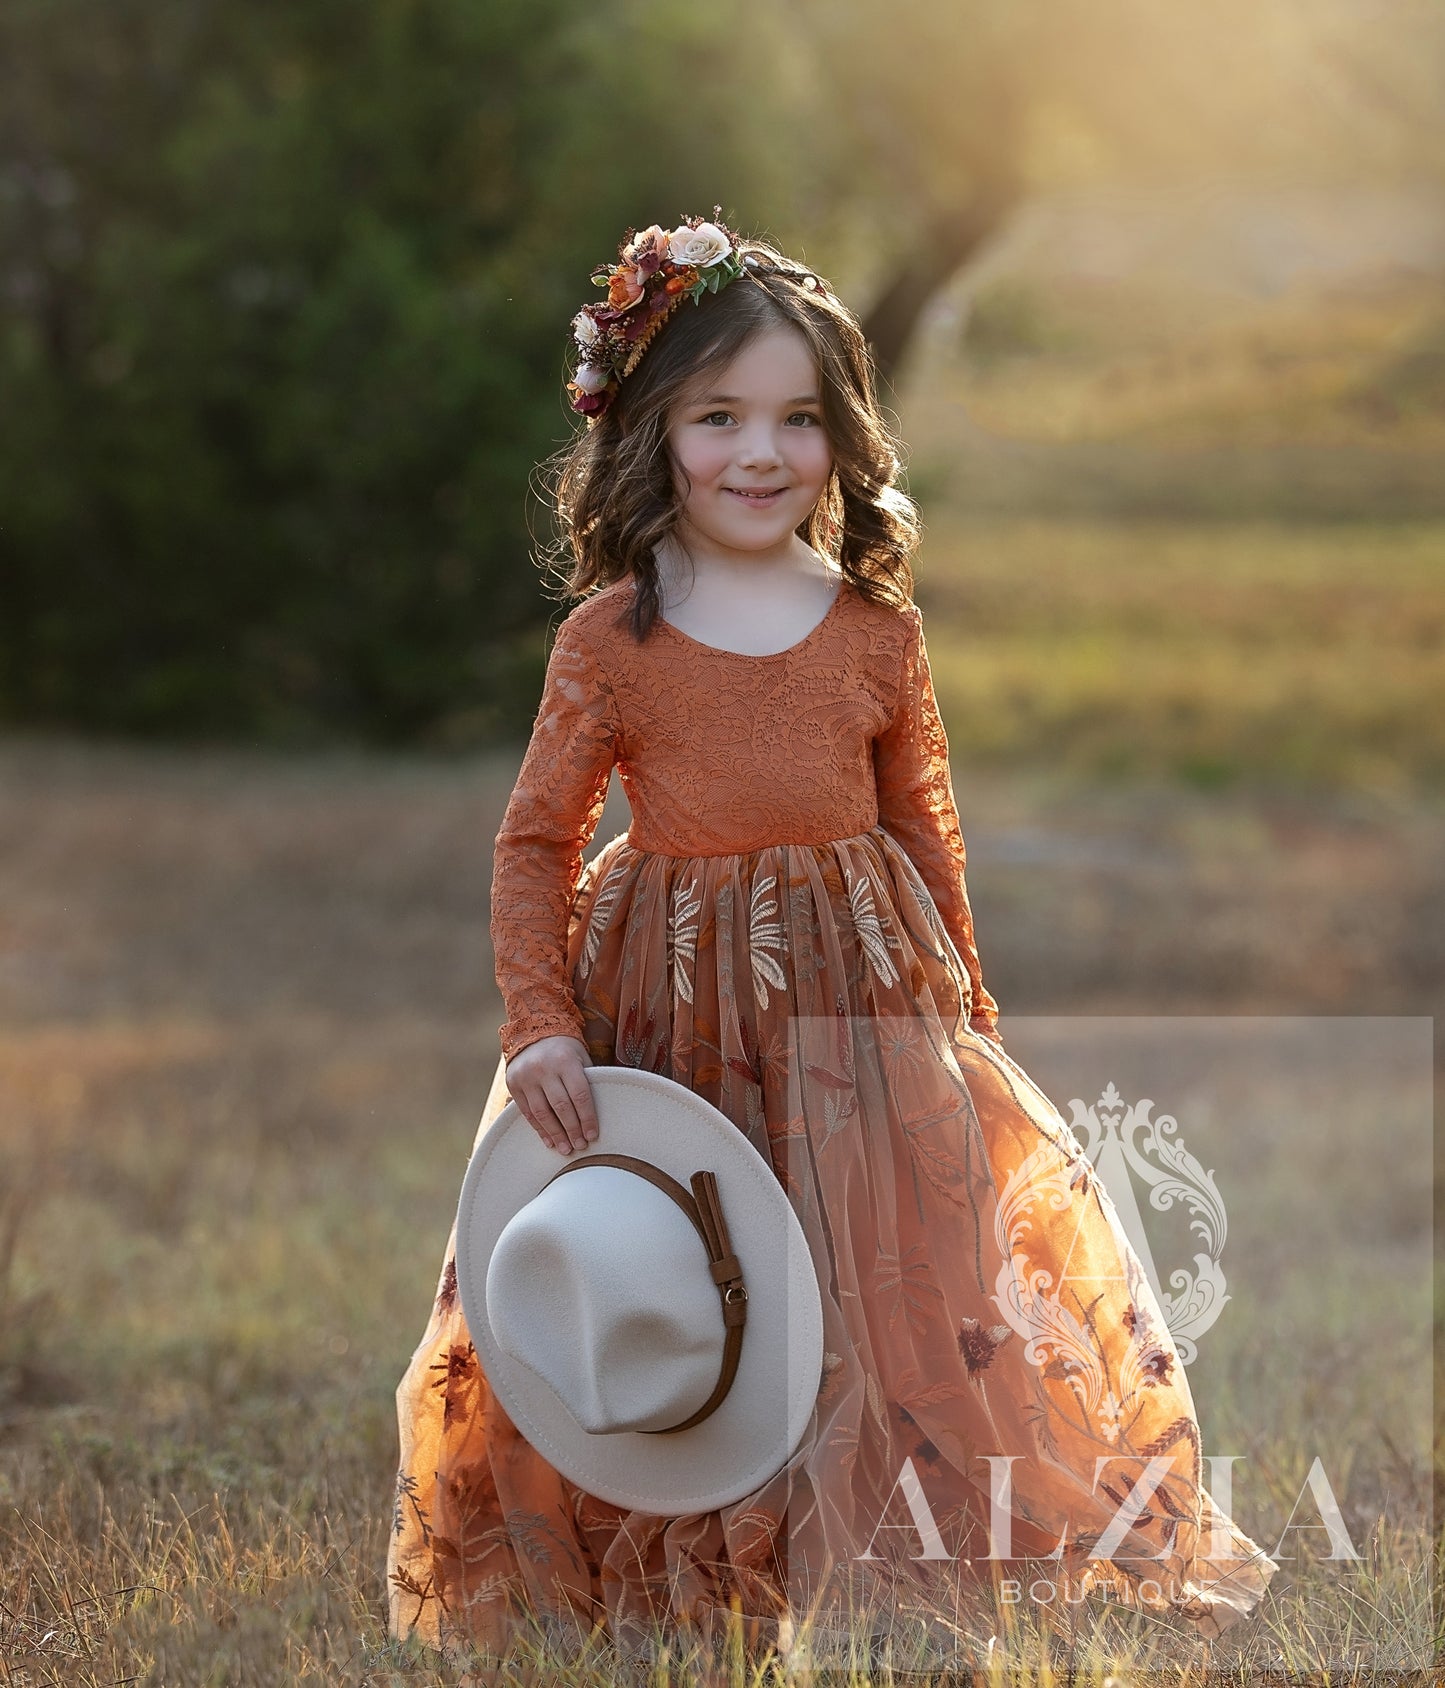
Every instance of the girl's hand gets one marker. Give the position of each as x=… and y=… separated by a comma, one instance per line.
x=548, y=1082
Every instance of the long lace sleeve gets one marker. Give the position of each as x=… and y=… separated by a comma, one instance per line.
x=916, y=807
x=549, y=820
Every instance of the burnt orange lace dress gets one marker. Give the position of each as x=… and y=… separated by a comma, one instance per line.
x=784, y=928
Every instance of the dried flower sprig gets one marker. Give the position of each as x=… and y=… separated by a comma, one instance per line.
x=658, y=269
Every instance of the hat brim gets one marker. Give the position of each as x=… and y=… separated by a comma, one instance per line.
x=760, y=1422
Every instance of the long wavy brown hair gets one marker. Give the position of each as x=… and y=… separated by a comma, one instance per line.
x=612, y=486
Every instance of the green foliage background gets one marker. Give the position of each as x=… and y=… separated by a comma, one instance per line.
x=285, y=292
x=285, y=334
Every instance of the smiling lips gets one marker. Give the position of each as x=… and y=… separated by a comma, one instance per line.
x=757, y=495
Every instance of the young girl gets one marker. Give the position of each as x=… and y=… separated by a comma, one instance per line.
x=784, y=929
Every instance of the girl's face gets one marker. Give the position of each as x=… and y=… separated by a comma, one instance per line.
x=750, y=440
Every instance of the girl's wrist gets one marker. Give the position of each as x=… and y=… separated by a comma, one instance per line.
x=515, y=1039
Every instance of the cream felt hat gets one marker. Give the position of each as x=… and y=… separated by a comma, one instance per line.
x=646, y=1311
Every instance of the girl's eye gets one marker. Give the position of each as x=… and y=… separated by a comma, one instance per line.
x=806, y=415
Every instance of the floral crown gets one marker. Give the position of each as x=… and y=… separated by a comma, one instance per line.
x=658, y=270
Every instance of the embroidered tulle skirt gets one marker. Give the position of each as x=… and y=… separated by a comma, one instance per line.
x=990, y=1334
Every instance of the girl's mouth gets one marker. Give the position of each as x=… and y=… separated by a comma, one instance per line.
x=763, y=499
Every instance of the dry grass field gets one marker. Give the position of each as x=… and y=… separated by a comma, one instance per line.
x=1218, y=655
x=246, y=1025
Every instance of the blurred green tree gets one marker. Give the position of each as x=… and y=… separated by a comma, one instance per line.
x=283, y=332
x=284, y=288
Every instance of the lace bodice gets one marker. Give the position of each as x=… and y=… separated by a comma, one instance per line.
x=720, y=753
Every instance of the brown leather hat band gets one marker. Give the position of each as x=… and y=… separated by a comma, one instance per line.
x=704, y=1208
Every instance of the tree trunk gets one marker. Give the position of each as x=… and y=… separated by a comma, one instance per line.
x=934, y=257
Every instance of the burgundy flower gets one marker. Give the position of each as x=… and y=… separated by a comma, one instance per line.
x=592, y=404
x=979, y=1345
x=1158, y=1362
x=648, y=250
x=447, y=1294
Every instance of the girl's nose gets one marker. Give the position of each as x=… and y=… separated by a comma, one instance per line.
x=758, y=446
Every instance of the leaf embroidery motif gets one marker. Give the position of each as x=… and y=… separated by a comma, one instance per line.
x=765, y=933
x=838, y=1111
x=907, y=1280
x=602, y=913
x=875, y=1402
x=682, y=924
x=875, y=941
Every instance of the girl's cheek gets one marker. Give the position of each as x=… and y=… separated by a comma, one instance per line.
x=714, y=460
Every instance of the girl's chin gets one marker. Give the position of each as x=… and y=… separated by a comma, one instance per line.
x=732, y=545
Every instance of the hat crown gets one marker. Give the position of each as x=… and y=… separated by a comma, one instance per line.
x=600, y=1286
x=650, y=1126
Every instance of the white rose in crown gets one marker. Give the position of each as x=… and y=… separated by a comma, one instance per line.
x=586, y=330
x=701, y=247
x=591, y=377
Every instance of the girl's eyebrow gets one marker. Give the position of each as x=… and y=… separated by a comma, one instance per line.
x=732, y=398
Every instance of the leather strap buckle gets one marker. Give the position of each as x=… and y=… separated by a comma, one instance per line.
x=704, y=1208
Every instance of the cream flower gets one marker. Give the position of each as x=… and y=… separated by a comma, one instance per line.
x=701, y=247
x=586, y=330
x=591, y=377
x=647, y=250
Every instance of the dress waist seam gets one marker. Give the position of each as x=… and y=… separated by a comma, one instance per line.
x=623, y=840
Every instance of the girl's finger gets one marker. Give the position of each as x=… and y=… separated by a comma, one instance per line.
x=538, y=1115
x=565, y=1109
x=579, y=1092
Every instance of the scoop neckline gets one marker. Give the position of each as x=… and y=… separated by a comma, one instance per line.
x=764, y=656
